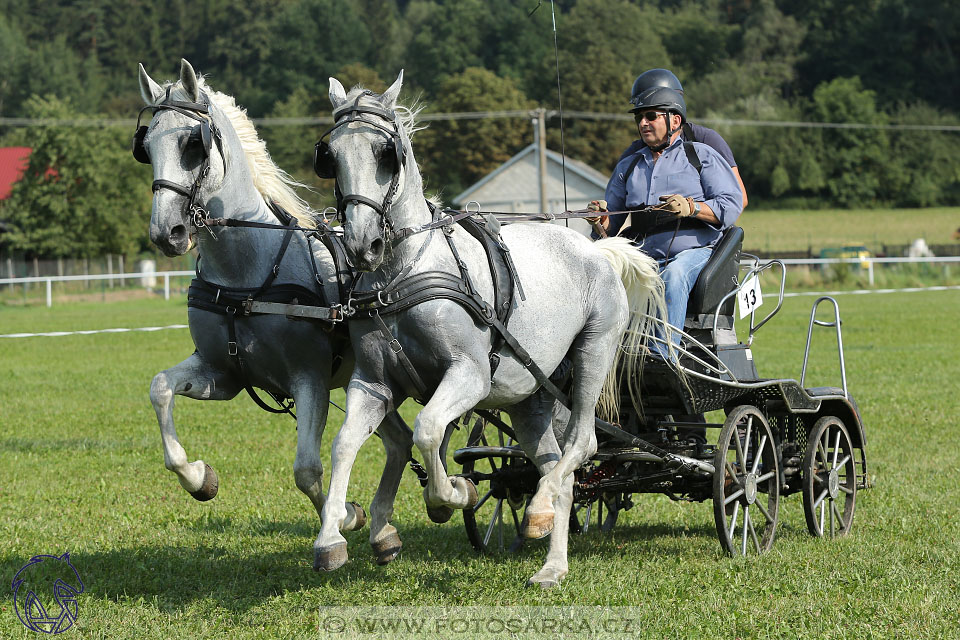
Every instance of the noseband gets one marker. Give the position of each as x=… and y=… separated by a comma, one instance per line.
x=324, y=165
x=208, y=133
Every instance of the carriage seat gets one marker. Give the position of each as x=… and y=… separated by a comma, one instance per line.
x=718, y=277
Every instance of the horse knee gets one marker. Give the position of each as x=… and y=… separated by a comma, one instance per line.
x=160, y=391
x=308, y=476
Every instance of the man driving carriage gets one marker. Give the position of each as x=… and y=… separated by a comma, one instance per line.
x=692, y=188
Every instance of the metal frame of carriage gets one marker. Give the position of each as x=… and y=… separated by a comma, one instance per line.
x=778, y=438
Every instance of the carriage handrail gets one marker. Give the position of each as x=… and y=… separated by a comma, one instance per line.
x=835, y=323
x=756, y=270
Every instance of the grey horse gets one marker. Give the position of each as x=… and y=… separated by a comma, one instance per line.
x=574, y=305
x=208, y=161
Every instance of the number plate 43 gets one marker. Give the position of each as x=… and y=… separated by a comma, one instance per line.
x=750, y=297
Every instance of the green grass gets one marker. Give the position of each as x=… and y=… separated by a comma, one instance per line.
x=787, y=230
x=81, y=469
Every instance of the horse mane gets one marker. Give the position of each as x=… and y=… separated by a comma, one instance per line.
x=273, y=183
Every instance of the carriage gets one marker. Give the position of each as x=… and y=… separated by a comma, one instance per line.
x=778, y=436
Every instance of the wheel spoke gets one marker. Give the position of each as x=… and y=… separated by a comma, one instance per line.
x=738, y=447
x=763, y=510
x=758, y=454
x=836, y=448
x=733, y=496
x=847, y=490
x=823, y=516
x=766, y=476
x=732, y=472
x=480, y=502
x=842, y=463
x=823, y=455
x=746, y=529
x=753, y=534
x=493, y=522
x=746, y=442
x=830, y=517
x=836, y=512
x=820, y=498
x=733, y=520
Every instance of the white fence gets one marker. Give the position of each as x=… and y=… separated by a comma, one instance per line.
x=148, y=279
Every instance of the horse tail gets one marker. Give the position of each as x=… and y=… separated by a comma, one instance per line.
x=647, y=303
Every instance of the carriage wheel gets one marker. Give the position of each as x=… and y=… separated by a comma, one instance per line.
x=607, y=507
x=829, y=479
x=746, y=483
x=493, y=524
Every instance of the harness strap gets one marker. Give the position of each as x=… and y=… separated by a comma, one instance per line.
x=233, y=350
x=398, y=351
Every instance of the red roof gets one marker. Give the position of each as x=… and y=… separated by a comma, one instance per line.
x=13, y=162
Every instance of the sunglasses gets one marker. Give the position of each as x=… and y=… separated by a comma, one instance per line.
x=649, y=116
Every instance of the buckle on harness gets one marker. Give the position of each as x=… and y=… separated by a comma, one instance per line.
x=396, y=349
x=231, y=348
x=247, y=306
x=380, y=299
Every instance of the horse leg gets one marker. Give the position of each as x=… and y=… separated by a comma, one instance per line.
x=397, y=442
x=366, y=407
x=311, y=400
x=462, y=387
x=194, y=378
x=533, y=421
x=592, y=353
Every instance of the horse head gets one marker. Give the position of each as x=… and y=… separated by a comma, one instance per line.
x=186, y=148
x=367, y=153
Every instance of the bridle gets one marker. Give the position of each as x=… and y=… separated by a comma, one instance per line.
x=325, y=167
x=208, y=132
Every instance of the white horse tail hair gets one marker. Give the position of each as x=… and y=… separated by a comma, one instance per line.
x=645, y=294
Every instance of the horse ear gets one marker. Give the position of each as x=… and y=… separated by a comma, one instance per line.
x=338, y=94
x=150, y=91
x=188, y=78
x=389, y=97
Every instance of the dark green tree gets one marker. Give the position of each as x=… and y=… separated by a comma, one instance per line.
x=455, y=153
x=81, y=193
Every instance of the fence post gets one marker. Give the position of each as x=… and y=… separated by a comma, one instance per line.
x=870, y=273
x=49, y=292
x=166, y=286
x=110, y=268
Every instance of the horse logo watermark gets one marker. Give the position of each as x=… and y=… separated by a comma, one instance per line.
x=34, y=583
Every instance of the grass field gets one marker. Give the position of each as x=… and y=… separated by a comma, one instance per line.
x=789, y=230
x=81, y=470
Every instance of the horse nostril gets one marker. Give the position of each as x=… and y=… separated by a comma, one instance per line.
x=376, y=247
x=178, y=233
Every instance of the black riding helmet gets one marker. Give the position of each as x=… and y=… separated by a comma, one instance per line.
x=655, y=78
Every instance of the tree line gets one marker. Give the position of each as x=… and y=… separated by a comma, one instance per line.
x=887, y=64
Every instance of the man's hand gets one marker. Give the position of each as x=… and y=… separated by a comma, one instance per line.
x=677, y=205
x=596, y=205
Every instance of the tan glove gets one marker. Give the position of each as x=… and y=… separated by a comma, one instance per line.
x=678, y=205
x=596, y=205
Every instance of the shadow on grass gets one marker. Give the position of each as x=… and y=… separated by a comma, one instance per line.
x=216, y=570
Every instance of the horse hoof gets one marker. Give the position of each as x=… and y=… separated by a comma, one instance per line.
x=330, y=558
x=536, y=525
x=359, y=517
x=387, y=549
x=472, y=496
x=439, y=514
x=211, y=484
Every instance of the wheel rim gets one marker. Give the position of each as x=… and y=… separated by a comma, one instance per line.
x=829, y=479
x=746, y=484
x=493, y=524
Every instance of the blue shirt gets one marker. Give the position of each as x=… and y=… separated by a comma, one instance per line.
x=659, y=235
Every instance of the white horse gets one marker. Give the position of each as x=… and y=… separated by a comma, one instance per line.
x=573, y=305
x=209, y=162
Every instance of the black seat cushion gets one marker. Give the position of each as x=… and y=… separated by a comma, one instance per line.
x=719, y=276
